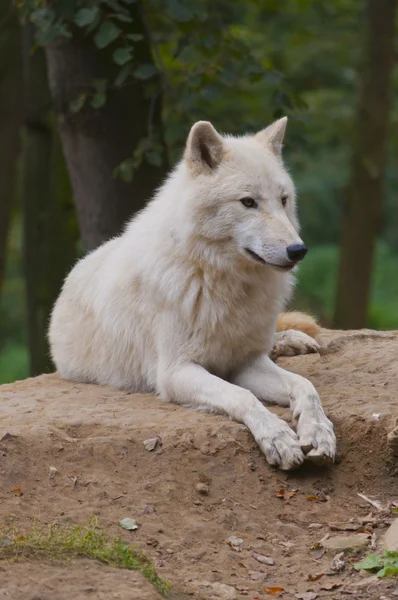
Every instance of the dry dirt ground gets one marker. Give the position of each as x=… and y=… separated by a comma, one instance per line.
x=94, y=437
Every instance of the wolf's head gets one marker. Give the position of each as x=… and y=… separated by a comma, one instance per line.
x=241, y=198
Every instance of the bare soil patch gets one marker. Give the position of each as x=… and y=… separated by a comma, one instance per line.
x=204, y=482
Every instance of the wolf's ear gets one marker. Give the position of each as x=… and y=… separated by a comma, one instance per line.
x=204, y=148
x=273, y=135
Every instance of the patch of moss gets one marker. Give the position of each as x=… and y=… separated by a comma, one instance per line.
x=57, y=542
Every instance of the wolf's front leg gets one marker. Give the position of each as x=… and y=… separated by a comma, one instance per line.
x=191, y=385
x=269, y=382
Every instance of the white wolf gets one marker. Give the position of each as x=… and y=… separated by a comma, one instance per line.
x=185, y=302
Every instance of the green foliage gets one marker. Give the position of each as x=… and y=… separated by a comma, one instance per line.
x=145, y=71
x=107, y=33
x=77, y=104
x=317, y=279
x=122, y=56
x=385, y=565
x=86, y=16
x=54, y=542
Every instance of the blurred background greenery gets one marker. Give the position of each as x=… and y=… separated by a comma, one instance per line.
x=129, y=77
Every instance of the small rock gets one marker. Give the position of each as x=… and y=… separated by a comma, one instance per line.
x=5, y=542
x=265, y=560
x=317, y=551
x=352, y=543
x=307, y=596
x=202, y=488
x=210, y=591
x=152, y=443
x=7, y=436
x=315, y=526
x=52, y=472
x=390, y=541
x=242, y=589
x=287, y=545
x=235, y=542
x=338, y=563
x=258, y=575
x=129, y=524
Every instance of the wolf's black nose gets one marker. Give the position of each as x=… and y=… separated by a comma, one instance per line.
x=296, y=252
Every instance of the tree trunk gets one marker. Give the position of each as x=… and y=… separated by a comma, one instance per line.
x=363, y=209
x=97, y=140
x=49, y=238
x=11, y=111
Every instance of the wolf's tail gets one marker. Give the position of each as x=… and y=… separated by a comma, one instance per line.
x=298, y=320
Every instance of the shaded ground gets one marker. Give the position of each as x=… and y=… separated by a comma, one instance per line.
x=94, y=437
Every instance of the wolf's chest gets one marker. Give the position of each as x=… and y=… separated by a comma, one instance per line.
x=229, y=335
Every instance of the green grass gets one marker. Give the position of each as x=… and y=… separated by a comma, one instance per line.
x=54, y=542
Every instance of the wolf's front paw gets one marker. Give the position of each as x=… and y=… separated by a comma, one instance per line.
x=317, y=439
x=279, y=444
x=292, y=342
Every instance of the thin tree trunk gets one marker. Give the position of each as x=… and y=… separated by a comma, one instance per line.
x=96, y=141
x=10, y=122
x=363, y=209
x=49, y=239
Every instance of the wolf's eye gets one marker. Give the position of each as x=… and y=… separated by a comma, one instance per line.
x=249, y=202
x=284, y=200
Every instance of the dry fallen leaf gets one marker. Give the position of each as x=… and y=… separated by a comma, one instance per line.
x=17, y=491
x=315, y=577
x=332, y=585
x=285, y=494
x=273, y=590
x=344, y=526
x=316, y=499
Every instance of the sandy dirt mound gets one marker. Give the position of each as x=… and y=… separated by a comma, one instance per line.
x=205, y=481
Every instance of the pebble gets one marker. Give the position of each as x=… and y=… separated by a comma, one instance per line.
x=202, y=488
x=258, y=575
x=234, y=542
x=315, y=526
x=350, y=542
x=338, y=563
x=152, y=443
x=266, y=560
x=390, y=541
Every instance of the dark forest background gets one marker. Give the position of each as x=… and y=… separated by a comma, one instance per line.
x=96, y=100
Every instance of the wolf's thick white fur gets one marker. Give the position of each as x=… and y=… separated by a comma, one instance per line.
x=178, y=305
